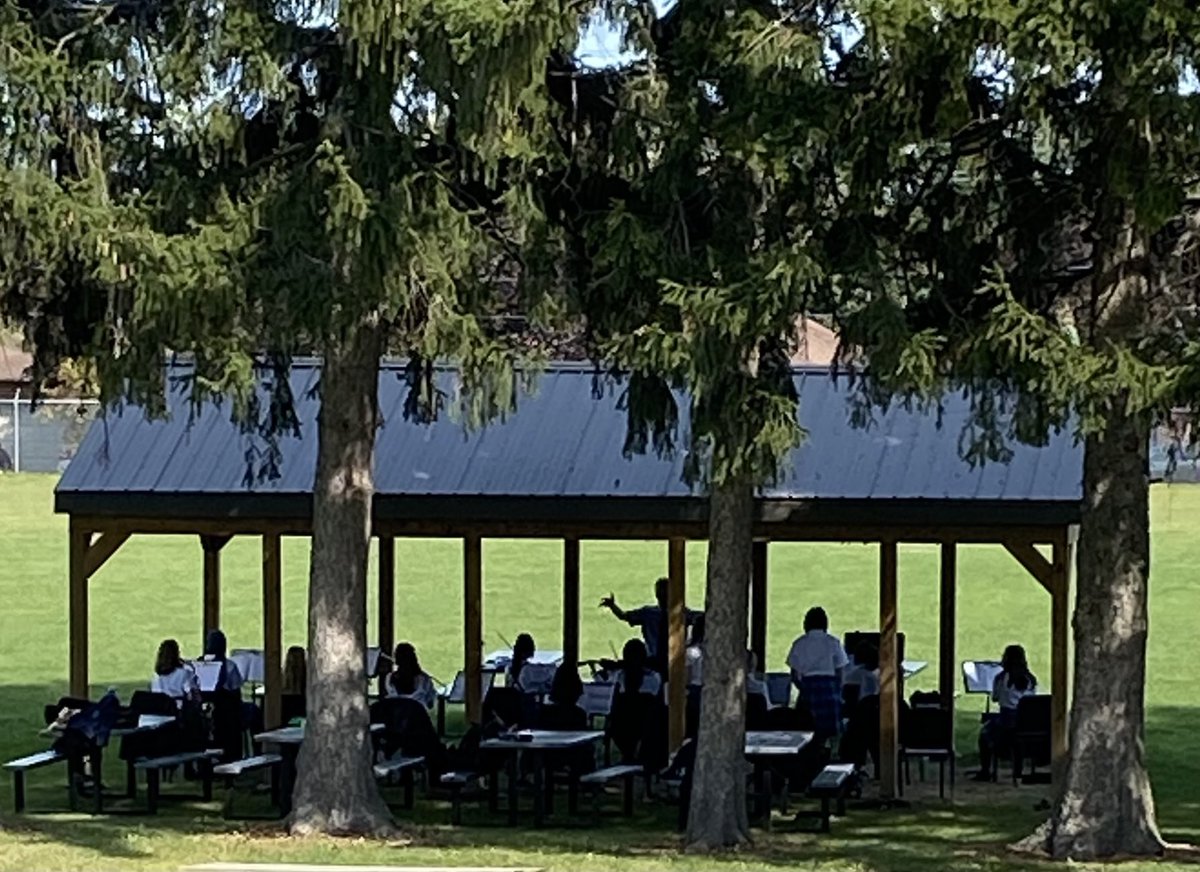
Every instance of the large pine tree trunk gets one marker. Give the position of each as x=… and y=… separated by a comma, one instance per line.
x=717, y=818
x=335, y=790
x=1105, y=807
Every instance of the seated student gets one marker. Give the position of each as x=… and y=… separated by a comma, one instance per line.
x=408, y=679
x=522, y=653
x=863, y=672
x=1011, y=685
x=215, y=647
x=634, y=674
x=562, y=712
x=172, y=676
x=816, y=662
x=637, y=723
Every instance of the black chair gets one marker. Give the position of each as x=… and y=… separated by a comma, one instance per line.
x=509, y=706
x=927, y=733
x=1031, y=737
x=638, y=728
x=757, y=712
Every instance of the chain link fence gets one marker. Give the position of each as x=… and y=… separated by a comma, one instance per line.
x=45, y=437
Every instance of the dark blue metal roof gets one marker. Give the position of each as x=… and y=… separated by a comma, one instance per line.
x=563, y=442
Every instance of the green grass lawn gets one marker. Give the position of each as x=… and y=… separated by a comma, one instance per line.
x=152, y=589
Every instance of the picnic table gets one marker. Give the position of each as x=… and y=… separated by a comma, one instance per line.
x=765, y=747
x=95, y=757
x=537, y=744
x=289, y=740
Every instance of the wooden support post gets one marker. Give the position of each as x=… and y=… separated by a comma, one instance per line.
x=272, y=580
x=947, y=667
x=473, y=625
x=212, y=546
x=387, y=594
x=570, y=632
x=80, y=539
x=677, y=641
x=758, y=603
x=1063, y=560
x=889, y=683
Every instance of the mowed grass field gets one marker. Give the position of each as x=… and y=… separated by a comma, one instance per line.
x=152, y=590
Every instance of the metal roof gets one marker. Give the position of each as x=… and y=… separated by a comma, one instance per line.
x=560, y=450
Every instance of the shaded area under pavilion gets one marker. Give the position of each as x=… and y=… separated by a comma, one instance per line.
x=554, y=469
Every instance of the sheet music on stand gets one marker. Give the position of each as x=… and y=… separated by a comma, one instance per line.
x=980, y=675
x=208, y=673
x=249, y=662
x=376, y=661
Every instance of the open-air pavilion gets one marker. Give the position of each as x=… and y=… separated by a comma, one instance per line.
x=554, y=469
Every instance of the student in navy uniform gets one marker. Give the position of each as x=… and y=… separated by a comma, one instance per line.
x=1011, y=685
x=653, y=622
x=817, y=662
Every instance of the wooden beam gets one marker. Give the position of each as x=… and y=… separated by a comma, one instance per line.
x=889, y=679
x=810, y=530
x=677, y=641
x=1033, y=561
x=570, y=631
x=102, y=549
x=473, y=625
x=212, y=546
x=387, y=594
x=758, y=602
x=1063, y=559
x=947, y=657
x=79, y=539
x=272, y=580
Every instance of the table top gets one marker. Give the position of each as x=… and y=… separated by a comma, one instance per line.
x=760, y=743
x=293, y=735
x=145, y=724
x=539, y=740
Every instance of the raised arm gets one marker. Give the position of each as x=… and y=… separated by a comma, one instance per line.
x=610, y=603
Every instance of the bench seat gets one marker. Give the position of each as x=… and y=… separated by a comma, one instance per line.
x=25, y=764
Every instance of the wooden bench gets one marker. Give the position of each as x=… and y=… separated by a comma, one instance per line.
x=22, y=765
x=832, y=785
x=234, y=769
x=153, y=767
x=624, y=772
x=457, y=782
x=385, y=770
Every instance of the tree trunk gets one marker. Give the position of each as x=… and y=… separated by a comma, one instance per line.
x=1105, y=807
x=717, y=817
x=335, y=789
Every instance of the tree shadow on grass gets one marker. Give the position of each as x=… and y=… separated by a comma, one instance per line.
x=970, y=833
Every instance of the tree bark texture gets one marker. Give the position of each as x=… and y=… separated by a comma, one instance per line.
x=335, y=789
x=1105, y=807
x=717, y=817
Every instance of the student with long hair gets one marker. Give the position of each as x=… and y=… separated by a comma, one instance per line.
x=172, y=676
x=522, y=653
x=1011, y=685
x=408, y=680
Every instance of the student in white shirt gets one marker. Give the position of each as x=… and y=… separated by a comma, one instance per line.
x=172, y=676
x=817, y=662
x=1011, y=685
x=635, y=675
x=863, y=671
x=408, y=679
